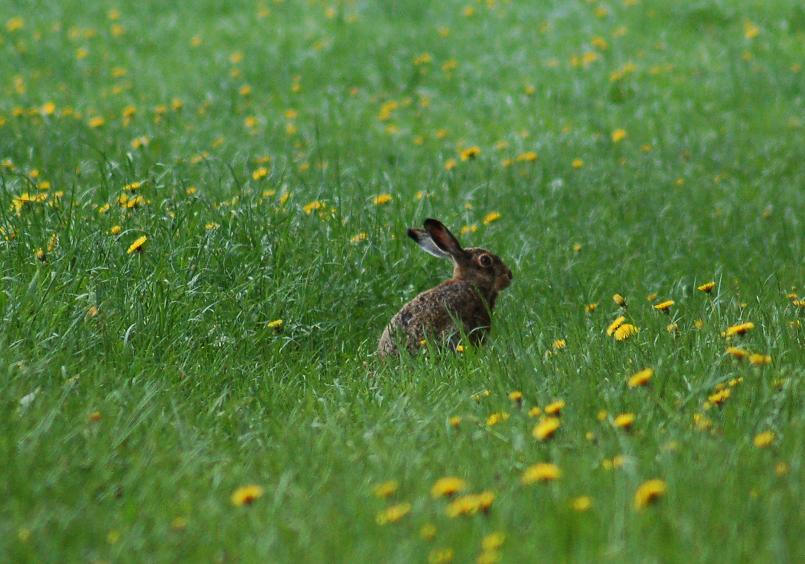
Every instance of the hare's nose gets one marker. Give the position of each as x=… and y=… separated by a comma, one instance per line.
x=509, y=273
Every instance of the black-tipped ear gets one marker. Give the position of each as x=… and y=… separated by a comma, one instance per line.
x=426, y=243
x=441, y=235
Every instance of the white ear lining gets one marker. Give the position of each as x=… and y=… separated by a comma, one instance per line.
x=426, y=243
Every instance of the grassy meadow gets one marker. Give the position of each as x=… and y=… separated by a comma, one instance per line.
x=203, y=209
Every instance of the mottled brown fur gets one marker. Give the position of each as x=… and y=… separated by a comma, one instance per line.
x=462, y=304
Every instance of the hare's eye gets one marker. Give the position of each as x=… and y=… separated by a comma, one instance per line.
x=485, y=260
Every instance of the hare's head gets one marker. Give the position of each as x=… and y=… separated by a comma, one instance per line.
x=474, y=265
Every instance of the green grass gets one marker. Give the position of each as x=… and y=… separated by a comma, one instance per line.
x=193, y=396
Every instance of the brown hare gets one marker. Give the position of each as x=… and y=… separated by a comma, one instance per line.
x=462, y=304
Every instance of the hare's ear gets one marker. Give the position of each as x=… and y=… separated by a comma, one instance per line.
x=445, y=240
x=423, y=240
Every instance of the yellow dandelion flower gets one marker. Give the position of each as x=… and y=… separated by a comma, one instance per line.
x=625, y=331
x=640, y=378
x=577, y=163
x=764, y=439
x=624, y=421
x=619, y=300
x=739, y=329
x=493, y=541
x=618, y=135
x=259, y=173
x=698, y=324
x=546, y=428
x=440, y=556
x=450, y=164
x=602, y=414
x=701, y=422
x=576, y=247
x=382, y=199
x=470, y=504
x=542, y=472
x=115, y=230
x=672, y=327
x=310, y=207
x=664, y=306
x=527, y=157
x=758, y=359
x=15, y=24
x=719, y=397
x=590, y=308
x=359, y=237
x=276, y=324
x=750, y=30
x=211, y=226
x=455, y=421
x=137, y=245
x=582, y=503
x=559, y=344
x=707, y=287
x=491, y=217
x=448, y=486
x=516, y=396
x=428, y=531
x=534, y=412
x=96, y=122
x=246, y=495
x=483, y=394
x=460, y=348
x=393, y=514
x=470, y=153
x=555, y=407
x=496, y=418
x=649, y=492
x=386, y=489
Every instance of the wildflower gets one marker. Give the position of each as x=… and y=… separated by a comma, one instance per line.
x=94, y=417
x=450, y=164
x=739, y=329
x=40, y=254
x=577, y=163
x=576, y=247
x=259, y=173
x=179, y=523
x=386, y=489
x=484, y=394
x=137, y=245
x=310, y=207
x=276, y=325
x=664, y=306
x=618, y=135
x=15, y=24
x=211, y=226
x=471, y=504
x=440, y=556
x=428, y=531
x=542, y=472
x=757, y=359
x=649, y=492
x=516, y=396
x=246, y=495
x=496, y=418
x=672, y=327
x=115, y=230
x=527, y=157
x=707, y=287
x=581, y=503
x=590, y=308
x=640, y=378
x=470, y=153
x=750, y=30
x=382, y=199
x=393, y=514
x=719, y=397
x=358, y=238
x=460, y=348
x=96, y=122
x=546, y=428
x=491, y=217
x=619, y=300
x=764, y=439
x=624, y=421
x=781, y=468
x=625, y=331
x=493, y=541
x=602, y=414
x=555, y=407
x=455, y=421
x=534, y=412
x=448, y=486
x=701, y=422
x=698, y=324
x=559, y=344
